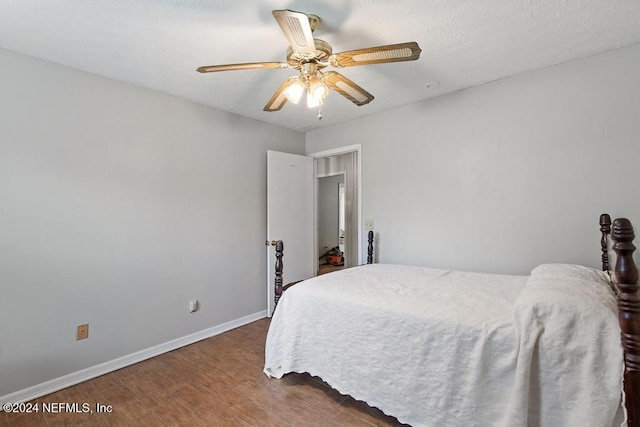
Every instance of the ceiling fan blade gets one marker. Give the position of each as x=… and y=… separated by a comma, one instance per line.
x=278, y=99
x=296, y=27
x=347, y=88
x=245, y=66
x=377, y=55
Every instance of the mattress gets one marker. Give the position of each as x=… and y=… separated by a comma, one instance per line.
x=437, y=347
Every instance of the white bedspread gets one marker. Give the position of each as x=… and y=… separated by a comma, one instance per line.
x=390, y=335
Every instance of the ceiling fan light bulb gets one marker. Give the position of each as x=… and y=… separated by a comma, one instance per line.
x=320, y=91
x=317, y=88
x=312, y=101
x=294, y=91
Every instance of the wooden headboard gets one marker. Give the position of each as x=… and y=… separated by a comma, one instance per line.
x=626, y=284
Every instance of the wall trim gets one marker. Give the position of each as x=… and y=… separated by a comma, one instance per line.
x=124, y=361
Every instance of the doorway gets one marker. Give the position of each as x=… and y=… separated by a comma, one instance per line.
x=337, y=230
x=292, y=211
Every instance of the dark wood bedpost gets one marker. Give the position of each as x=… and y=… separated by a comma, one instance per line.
x=626, y=274
x=370, y=247
x=605, y=229
x=278, y=279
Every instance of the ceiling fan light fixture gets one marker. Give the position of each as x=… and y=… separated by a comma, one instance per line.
x=294, y=91
x=317, y=89
x=313, y=102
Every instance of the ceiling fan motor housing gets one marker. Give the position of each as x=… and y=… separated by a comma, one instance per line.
x=321, y=55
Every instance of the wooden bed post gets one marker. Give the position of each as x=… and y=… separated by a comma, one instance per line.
x=626, y=275
x=278, y=279
x=605, y=229
x=279, y=288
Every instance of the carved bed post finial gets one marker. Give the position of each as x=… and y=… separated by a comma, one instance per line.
x=278, y=279
x=626, y=274
x=370, y=247
x=605, y=229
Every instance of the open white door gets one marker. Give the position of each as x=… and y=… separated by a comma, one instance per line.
x=289, y=218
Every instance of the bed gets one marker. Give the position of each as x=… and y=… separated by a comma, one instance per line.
x=437, y=347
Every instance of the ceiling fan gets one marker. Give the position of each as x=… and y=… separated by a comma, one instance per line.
x=309, y=56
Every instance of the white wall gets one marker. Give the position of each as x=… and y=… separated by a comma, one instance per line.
x=507, y=175
x=117, y=206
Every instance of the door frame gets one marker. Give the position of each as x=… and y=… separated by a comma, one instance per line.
x=357, y=148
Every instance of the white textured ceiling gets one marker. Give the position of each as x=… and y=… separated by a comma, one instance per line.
x=158, y=44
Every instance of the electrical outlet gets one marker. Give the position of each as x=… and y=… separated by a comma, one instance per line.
x=82, y=332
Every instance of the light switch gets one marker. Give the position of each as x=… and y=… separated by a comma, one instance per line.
x=193, y=305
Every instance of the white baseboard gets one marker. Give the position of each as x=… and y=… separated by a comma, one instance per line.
x=121, y=362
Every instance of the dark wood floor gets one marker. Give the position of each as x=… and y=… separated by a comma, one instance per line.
x=328, y=268
x=215, y=382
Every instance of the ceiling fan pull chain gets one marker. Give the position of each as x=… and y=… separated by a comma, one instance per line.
x=320, y=111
